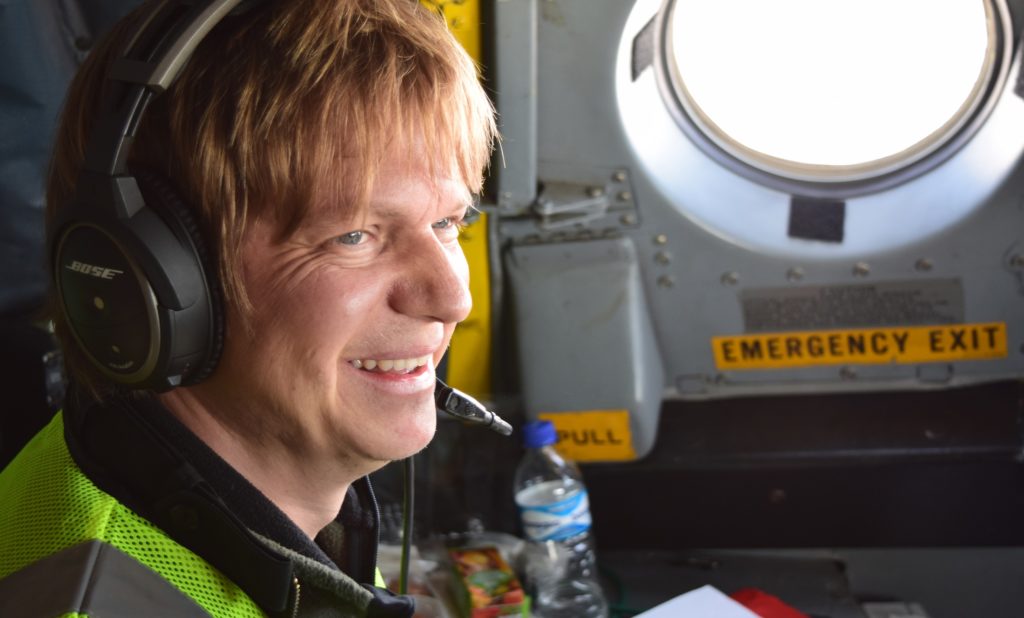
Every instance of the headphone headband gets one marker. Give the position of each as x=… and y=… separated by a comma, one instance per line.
x=150, y=63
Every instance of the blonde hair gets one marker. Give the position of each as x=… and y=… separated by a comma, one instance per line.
x=288, y=107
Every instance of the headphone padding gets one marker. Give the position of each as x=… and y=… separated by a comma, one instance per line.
x=162, y=197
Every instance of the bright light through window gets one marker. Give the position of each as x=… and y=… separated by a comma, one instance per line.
x=827, y=88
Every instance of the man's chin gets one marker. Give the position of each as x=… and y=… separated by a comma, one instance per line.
x=409, y=439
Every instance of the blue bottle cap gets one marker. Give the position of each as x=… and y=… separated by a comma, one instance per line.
x=539, y=433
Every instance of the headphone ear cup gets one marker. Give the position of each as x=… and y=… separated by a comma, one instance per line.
x=180, y=218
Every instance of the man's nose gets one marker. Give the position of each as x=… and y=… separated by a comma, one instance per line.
x=435, y=285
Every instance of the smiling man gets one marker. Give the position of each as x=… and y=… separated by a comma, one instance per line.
x=325, y=152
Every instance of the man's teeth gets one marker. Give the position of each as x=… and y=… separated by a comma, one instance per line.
x=396, y=365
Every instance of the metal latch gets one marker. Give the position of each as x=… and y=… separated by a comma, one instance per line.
x=565, y=204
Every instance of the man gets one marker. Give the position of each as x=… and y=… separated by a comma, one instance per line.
x=328, y=151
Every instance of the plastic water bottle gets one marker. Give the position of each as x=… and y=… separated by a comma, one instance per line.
x=555, y=514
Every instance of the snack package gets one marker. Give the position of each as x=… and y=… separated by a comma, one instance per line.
x=485, y=586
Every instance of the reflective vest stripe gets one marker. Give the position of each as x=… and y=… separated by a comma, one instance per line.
x=92, y=578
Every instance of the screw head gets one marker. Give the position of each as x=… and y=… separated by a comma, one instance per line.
x=861, y=269
x=624, y=196
x=619, y=176
x=1017, y=261
x=628, y=219
x=666, y=281
x=662, y=257
x=924, y=265
x=795, y=274
x=595, y=191
x=730, y=278
x=660, y=239
x=848, y=373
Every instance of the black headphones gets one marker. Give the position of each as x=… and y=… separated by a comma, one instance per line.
x=133, y=275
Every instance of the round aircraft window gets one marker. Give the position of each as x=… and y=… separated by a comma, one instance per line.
x=830, y=91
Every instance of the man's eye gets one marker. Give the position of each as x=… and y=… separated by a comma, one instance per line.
x=352, y=238
x=449, y=223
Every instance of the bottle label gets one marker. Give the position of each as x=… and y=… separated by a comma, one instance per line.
x=557, y=521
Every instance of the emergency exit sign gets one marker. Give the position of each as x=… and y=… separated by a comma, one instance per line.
x=899, y=345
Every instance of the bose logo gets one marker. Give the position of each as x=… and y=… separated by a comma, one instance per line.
x=93, y=271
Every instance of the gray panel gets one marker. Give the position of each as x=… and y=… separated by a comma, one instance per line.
x=706, y=237
x=586, y=341
x=95, y=579
x=515, y=69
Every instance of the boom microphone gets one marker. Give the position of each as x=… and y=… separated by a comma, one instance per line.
x=464, y=407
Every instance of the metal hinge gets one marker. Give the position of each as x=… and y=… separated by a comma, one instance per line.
x=562, y=204
x=575, y=203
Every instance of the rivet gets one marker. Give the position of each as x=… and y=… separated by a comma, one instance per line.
x=666, y=281
x=627, y=219
x=619, y=176
x=662, y=257
x=923, y=265
x=624, y=196
x=98, y=302
x=730, y=278
x=848, y=373
x=660, y=239
x=595, y=191
x=795, y=274
x=1017, y=261
x=861, y=269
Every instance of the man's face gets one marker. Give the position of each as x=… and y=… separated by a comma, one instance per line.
x=351, y=316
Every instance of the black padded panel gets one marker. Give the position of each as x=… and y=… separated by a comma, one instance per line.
x=817, y=219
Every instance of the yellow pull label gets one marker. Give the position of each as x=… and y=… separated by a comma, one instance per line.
x=912, y=344
x=593, y=435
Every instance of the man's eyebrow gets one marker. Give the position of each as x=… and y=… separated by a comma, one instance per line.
x=380, y=209
x=386, y=210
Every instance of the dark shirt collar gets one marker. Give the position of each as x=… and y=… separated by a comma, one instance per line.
x=135, y=450
x=242, y=498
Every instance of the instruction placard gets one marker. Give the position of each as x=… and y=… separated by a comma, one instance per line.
x=911, y=344
x=593, y=435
